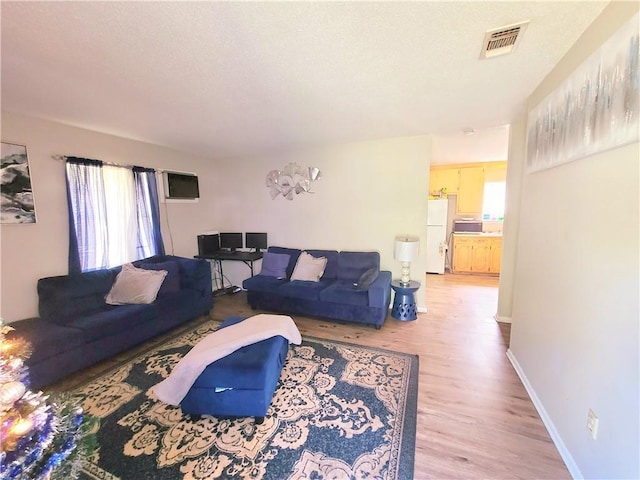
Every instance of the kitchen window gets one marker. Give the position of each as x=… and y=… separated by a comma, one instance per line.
x=493, y=201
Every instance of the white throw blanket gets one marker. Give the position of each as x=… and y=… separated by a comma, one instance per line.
x=220, y=344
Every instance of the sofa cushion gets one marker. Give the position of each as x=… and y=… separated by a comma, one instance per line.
x=113, y=320
x=171, y=283
x=68, y=296
x=304, y=290
x=366, y=279
x=174, y=306
x=47, y=339
x=195, y=274
x=341, y=291
x=262, y=283
x=309, y=268
x=331, y=269
x=135, y=285
x=274, y=265
x=353, y=264
x=293, y=253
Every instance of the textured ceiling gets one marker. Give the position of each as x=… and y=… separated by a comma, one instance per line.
x=238, y=78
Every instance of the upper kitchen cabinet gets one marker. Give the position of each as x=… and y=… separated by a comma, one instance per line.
x=495, y=172
x=467, y=181
x=470, y=191
x=446, y=178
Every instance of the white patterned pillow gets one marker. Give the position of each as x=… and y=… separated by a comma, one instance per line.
x=309, y=268
x=135, y=285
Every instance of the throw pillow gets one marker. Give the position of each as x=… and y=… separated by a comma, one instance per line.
x=366, y=279
x=135, y=285
x=309, y=268
x=274, y=265
x=171, y=282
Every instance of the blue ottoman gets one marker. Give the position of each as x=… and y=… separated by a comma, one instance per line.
x=240, y=384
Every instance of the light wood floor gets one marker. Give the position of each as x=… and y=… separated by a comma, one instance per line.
x=475, y=419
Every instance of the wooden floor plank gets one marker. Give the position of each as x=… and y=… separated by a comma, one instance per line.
x=475, y=419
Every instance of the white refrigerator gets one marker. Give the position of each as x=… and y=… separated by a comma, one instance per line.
x=436, y=235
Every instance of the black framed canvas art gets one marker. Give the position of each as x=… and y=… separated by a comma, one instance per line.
x=16, y=196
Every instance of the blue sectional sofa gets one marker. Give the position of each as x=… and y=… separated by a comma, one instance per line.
x=77, y=328
x=334, y=296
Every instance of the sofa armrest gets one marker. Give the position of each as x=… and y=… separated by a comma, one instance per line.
x=196, y=275
x=380, y=290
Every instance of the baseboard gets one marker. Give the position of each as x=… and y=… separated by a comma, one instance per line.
x=570, y=463
x=501, y=319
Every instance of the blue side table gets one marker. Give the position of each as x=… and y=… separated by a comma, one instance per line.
x=404, y=302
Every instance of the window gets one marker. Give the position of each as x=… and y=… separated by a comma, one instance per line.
x=493, y=201
x=113, y=214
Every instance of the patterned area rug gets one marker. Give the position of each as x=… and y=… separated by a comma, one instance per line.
x=340, y=411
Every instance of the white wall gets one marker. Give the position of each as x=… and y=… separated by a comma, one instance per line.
x=30, y=252
x=575, y=330
x=511, y=224
x=369, y=192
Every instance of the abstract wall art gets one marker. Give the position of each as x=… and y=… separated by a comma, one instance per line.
x=595, y=109
x=291, y=179
x=16, y=196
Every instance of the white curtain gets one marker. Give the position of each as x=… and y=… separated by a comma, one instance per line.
x=120, y=202
x=113, y=215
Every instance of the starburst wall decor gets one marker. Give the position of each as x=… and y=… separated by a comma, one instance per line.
x=291, y=179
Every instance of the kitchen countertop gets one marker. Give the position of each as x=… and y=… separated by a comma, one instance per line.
x=478, y=234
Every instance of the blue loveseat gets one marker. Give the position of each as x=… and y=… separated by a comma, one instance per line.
x=77, y=328
x=334, y=296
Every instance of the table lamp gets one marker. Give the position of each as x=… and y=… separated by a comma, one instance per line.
x=405, y=249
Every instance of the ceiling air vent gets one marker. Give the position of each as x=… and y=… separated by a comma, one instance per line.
x=503, y=40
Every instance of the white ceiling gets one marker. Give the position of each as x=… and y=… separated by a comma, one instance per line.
x=471, y=145
x=239, y=78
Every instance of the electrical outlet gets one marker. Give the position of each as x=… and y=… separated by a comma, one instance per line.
x=592, y=424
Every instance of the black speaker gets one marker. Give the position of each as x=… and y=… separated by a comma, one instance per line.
x=208, y=244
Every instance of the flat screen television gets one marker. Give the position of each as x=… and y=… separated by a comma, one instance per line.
x=181, y=185
x=255, y=240
x=231, y=241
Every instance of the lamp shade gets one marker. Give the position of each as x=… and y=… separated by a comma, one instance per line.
x=405, y=248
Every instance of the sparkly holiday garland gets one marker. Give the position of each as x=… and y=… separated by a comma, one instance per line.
x=39, y=440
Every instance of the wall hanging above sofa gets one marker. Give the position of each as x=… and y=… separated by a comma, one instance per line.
x=17, y=196
x=291, y=179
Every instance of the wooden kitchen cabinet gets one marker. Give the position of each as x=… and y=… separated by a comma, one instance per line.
x=443, y=178
x=470, y=191
x=480, y=255
x=495, y=172
x=462, y=247
x=476, y=254
x=496, y=254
